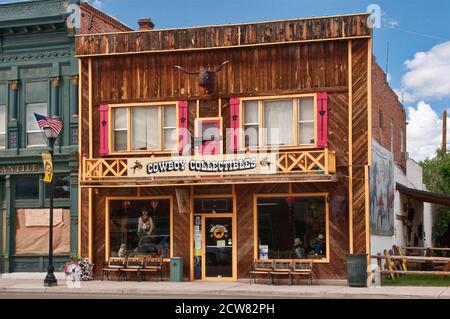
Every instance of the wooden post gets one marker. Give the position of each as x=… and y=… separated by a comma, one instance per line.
x=444, y=131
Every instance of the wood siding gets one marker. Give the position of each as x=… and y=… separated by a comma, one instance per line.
x=359, y=141
x=302, y=68
x=313, y=29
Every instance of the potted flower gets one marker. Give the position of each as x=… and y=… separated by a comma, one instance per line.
x=76, y=270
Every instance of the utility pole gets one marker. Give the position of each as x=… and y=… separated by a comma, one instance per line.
x=444, y=131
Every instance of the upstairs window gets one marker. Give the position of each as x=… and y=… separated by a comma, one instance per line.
x=2, y=126
x=120, y=129
x=402, y=142
x=392, y=136
x=34, y=135
x=148, y=128
x=280, y=122
x=251, y=123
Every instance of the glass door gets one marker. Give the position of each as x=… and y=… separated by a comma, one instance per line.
x=218, y=247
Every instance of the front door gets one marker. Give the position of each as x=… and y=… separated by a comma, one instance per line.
x=213, y=247
x=218, y=249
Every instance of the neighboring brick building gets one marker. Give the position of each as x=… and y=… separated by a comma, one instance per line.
x=388, y=117
x=94, y=20
x=39, y=73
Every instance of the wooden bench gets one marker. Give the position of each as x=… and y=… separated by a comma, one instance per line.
x=302, y=268
x=281, y=268
x=261, y=267
x=290, y=268
x=132, y=265
x=152, y=265
x=114, y=265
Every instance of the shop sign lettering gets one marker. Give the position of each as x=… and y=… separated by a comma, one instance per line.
x=18, y=168
x=228, y=164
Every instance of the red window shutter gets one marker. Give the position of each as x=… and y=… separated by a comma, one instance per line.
x=322, y=120
x=104, y=129
x=234, y=124
x=182, y=125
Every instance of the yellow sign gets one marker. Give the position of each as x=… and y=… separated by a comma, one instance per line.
x=48, y=167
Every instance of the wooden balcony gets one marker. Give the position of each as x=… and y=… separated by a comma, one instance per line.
x=291, y=166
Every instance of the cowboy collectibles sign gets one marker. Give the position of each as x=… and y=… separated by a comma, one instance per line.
x=213, y=165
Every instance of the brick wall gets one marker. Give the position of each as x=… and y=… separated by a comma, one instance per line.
x=96, y=21
x=388, y=114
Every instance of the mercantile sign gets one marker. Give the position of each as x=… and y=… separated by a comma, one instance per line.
x=200, y=165
x=18, y=168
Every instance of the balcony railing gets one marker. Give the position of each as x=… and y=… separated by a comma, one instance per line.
x=320, y=163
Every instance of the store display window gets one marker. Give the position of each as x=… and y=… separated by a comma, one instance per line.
x=140, y=228
x=292, y=227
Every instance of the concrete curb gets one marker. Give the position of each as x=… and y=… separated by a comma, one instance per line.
x=31, y=275
x=231, y=290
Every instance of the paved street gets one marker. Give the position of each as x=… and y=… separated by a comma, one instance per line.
x=33, y=288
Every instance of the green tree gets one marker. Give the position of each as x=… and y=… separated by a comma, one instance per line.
x=436, y=176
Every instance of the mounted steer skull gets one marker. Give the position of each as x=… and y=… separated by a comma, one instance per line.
x=205, y=77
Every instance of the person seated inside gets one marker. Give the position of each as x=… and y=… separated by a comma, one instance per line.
x=298, y=251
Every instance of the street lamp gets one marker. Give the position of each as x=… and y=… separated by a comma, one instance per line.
x=50, y=279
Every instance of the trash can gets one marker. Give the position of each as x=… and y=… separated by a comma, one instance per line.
x=357, y=270
x=176, y=269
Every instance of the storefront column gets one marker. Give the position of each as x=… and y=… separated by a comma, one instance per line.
x=14, y=86
x=73, y=109
x=12, y=140
x=9, y=224
x=73, y=95
x=54, y=106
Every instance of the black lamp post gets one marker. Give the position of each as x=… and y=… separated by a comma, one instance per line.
x=50, y=279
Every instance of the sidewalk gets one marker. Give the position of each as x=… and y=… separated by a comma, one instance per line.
x=218, y=290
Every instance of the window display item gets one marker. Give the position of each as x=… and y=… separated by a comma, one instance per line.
x=146, y=226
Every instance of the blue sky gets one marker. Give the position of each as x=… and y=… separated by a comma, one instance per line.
x=409, y=26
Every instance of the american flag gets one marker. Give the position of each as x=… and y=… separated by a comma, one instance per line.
x=44, y=121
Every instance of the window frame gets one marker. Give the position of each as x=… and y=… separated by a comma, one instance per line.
x=34, y=131
x=108, y=200
x=129, y=107
x=261, y=130
x=2, y=147
x=325, y=196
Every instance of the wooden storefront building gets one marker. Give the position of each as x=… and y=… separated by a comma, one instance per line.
x=280, y=111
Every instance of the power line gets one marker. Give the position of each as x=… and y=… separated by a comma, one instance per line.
x=421, y=34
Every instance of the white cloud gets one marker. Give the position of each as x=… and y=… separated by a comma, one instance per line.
x=392, y=24
x=424, y=132
x=428, y=74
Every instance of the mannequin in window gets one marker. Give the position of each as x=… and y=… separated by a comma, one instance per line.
x=298, y=251
x=318, y=245
x=146, y=226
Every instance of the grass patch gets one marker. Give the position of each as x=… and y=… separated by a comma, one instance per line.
x=417, y=280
